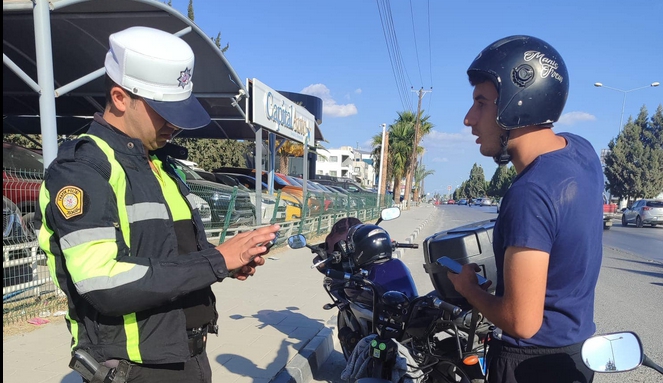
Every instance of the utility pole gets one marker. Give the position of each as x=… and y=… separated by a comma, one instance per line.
x=415, y=145
x=380, y=171
x=421, y=189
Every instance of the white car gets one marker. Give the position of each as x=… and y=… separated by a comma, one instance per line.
x=644, y=212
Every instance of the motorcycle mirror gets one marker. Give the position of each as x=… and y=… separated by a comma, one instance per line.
x=615, y=352
x=297, y=241
x=390, y=213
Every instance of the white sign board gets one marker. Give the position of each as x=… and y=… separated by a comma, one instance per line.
x=278, y=114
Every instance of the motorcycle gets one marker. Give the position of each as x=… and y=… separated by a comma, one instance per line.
x=388, y=331
x=616, y=352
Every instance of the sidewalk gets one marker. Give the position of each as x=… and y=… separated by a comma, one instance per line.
x=272, y=327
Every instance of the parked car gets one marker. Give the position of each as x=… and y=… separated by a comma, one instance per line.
x=355, y=201
x=289, y=207
x=281, y=182
x=451, y=202
x=462, y=201
x=218, y=197
x=644, y=212
x=486, y=202
x=203, y=209
x=22, y=174
x=14, y=234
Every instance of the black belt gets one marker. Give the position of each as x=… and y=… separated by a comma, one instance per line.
x=197, y=340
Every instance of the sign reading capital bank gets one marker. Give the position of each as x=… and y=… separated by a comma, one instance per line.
x=277, y=113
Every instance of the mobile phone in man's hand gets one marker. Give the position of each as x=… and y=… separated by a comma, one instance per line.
x=456, y=268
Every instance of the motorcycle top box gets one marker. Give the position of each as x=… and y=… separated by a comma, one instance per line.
x=471, y=243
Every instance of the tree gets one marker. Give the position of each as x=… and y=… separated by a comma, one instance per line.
x=401, y=138
x=475, y=186
x=287, y=150
x=419, y=174
x=501, y=181
x=211, y=154
x=459, y=193
x=400, y=146
x=189, y=10
x=652, y=134
x=425, y=127
x=634, y=163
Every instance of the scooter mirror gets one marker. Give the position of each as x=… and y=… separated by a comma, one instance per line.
x=297, y=241
x=616, y=352
x=390, y=213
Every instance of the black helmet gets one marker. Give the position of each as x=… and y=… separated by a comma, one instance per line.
x=368, y=244
x=339, y=232
x=531, y=80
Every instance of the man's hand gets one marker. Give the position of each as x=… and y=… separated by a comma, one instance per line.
x=467, y=280
x=243, y=251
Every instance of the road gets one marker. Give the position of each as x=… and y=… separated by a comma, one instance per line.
x=628, y=295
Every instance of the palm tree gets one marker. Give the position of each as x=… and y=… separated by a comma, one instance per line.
x=419, y=174
x=287, y=150
x=424, y=128
x=401, y=135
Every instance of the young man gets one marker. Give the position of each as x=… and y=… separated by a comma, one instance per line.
x=548, y=254
x=122, y=239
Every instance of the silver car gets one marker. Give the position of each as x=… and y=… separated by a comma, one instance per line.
x=644, y=212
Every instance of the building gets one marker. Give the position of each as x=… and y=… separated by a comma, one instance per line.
x=347, y=162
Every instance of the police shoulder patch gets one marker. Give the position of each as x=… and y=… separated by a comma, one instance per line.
x=70, y=201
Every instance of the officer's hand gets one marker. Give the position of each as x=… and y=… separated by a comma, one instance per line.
x=249, y=269
x=244, y=248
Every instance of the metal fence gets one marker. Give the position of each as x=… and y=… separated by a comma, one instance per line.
x=28, y=290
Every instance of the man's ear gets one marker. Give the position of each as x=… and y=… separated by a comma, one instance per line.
x=119, y=98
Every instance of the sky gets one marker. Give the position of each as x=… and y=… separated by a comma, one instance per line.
x=336, y=50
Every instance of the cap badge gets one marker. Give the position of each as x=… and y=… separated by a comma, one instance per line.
x=185, y=77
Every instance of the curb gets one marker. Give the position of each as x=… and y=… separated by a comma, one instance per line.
x=302, y=367
x=308, y=361
x=399, y=252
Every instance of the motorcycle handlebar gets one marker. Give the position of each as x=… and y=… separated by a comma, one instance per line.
x=335, y=274
x=448, y=307
x=406, y=245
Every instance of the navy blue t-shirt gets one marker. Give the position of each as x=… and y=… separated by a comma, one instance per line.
x=555, y=205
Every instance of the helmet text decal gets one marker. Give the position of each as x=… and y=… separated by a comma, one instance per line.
x=549, y=65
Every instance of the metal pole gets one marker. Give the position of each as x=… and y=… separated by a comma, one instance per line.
x=45, y=78
x=258, y=162
x=621, y=119
x=380, y=181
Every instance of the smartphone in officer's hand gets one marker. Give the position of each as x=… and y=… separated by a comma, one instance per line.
x=271, y=243
x=456, y=267
x=267, y=244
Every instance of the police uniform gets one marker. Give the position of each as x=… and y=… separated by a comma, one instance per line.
x=128, y=249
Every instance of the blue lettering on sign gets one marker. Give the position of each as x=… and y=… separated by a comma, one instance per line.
x=281, y=114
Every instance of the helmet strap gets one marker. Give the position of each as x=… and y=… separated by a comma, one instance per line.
x=504, y=157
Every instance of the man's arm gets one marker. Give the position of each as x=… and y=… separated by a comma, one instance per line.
x=519, y=312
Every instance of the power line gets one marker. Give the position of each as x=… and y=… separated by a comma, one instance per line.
x=430, y=57
x=395, y=58
x=416, y=49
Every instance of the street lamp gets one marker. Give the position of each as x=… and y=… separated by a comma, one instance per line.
x=614, y=363
x=600, y=85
